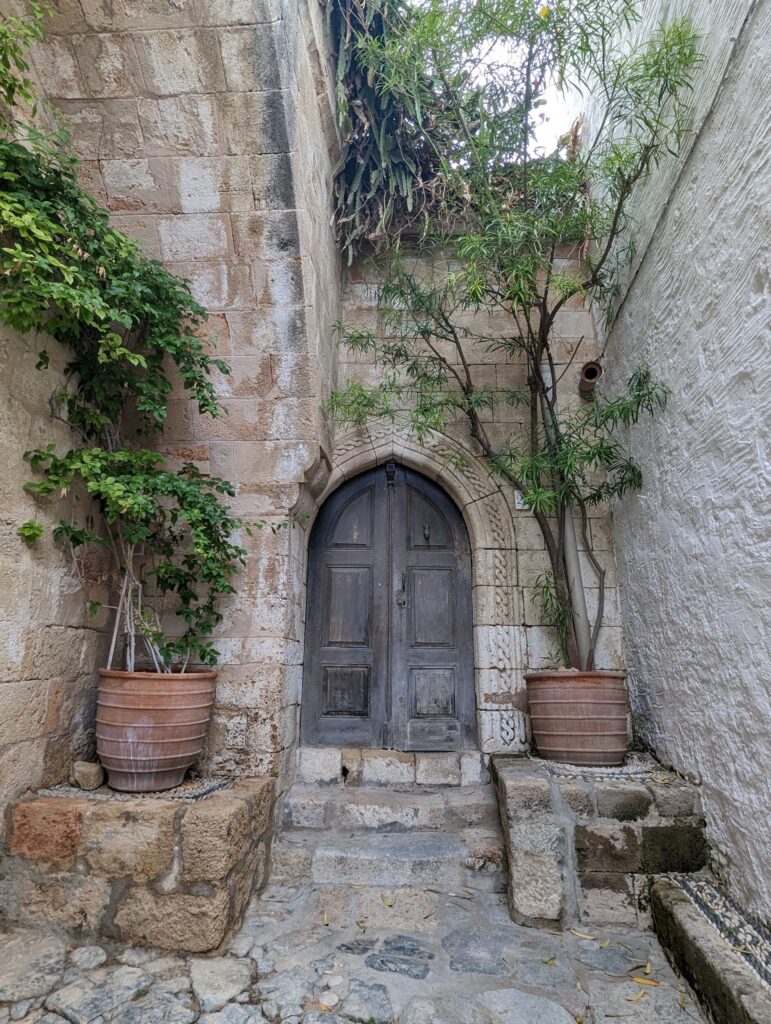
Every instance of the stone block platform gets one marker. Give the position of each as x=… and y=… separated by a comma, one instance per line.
x=583, y=844
x=172, y=873
x=725, y=957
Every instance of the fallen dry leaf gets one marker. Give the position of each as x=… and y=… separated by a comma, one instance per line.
x=645, y=981
x=582, y=935
x=636, y=998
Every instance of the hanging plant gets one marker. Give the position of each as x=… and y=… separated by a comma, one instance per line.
x=389, y=174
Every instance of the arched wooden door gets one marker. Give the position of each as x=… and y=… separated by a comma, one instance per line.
x=388, y=649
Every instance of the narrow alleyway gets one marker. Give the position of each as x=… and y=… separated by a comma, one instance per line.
x=337, y=954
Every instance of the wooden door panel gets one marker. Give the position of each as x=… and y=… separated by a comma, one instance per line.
x=432, y=672
x=354, y=526
x=346, y=690
x=348, y=606
x=434, y=734
x=433, y=692
x=388, y=654
x=344, y=677
x=427, y=528
x=430, y=604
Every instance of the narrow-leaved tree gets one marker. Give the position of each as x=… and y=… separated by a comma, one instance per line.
x=441, y=174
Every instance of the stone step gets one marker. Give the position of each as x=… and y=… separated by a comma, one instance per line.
x=363, y=767
x=390, y=810
x=472, y=858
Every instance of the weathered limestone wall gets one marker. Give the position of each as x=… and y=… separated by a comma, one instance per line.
x=206, y=128
x=508, y=552
x=49, y=644
x=691, y=546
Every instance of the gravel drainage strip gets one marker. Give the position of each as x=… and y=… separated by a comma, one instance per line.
x=192, y=789
x=745, y=936
x=638, y=766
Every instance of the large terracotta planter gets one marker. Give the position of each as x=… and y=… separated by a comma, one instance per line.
x=579, y=717
x=151, y=726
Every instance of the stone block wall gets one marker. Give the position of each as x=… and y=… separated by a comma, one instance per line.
x=583, y=848
x=49, y=644
x=207, y=130
x=171, y=874
x=693, y=545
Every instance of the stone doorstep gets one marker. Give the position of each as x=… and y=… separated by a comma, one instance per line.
x=725, y=985
x=371, y=807
x=583, y=849
x=171, y=874
x=361, y=766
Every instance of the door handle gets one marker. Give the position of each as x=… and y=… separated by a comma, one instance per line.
x=401, y=597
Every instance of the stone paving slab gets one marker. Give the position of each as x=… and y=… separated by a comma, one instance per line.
x=339, y=954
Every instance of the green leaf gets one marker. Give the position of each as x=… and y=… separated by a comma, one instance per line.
x=31, y=531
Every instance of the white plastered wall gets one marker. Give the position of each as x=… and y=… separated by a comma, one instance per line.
x=693, y=546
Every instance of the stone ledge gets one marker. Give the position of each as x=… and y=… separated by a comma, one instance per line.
x=354, y=766
x=581, y=848
x=728, y=988
x=172, y=874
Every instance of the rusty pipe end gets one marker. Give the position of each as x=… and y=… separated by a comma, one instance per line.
x=590, y=374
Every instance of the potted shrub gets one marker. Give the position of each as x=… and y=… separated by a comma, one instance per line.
x=164, y=534
x=441, y=173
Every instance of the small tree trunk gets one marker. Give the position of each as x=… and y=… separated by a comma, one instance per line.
x=575, y=583
x=555, y=551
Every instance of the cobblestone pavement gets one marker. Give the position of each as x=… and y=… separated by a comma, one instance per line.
x=332, y=955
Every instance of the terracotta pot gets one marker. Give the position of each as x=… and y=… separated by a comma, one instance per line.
x=151, y=726
x=579, y=717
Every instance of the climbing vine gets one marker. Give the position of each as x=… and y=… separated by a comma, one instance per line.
x=129, y=328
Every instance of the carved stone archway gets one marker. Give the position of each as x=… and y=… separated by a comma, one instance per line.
x=499, y=640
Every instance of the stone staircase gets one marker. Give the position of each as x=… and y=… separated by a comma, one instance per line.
x=379, y=818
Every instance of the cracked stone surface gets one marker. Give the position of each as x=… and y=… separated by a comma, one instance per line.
x=30, y=965
x=219, y=980
x=345, y=954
